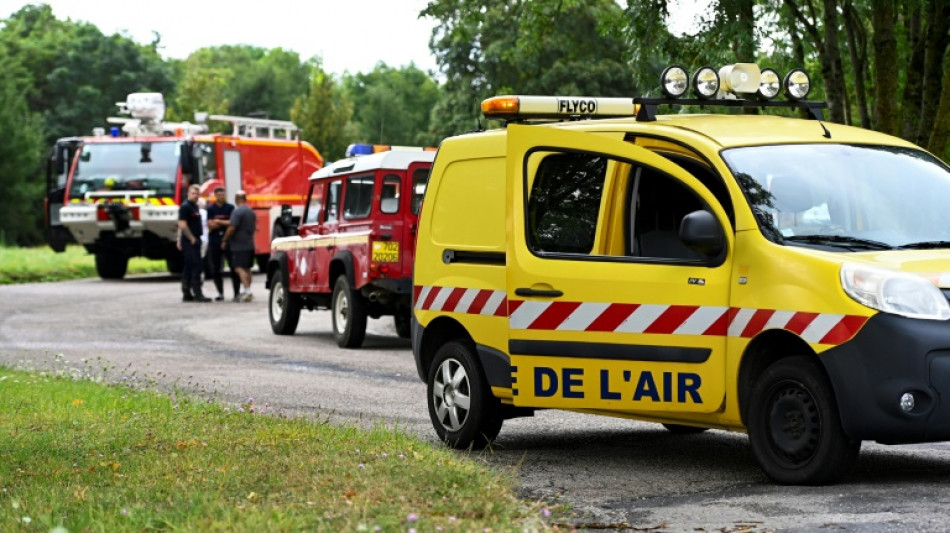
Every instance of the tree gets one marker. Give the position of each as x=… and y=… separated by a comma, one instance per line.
x=323, y=115
x=75, y=73
x=21, y=178
x=484, y=48
x=392, y=106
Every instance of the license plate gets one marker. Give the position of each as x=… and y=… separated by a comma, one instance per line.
x=385, y=251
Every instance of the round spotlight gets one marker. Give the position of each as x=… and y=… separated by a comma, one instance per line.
x=674, y=81
x=706, y=82
x=797, y=84
x=769, y=84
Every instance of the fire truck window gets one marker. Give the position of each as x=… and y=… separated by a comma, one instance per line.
x=389, y=194
x=333, y=201
x=358, y=197
x=420, y=178
x=108, y=167
x=564, y=203
x=207, y=162
x=313, y=207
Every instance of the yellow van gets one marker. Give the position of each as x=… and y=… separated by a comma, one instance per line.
x=779, y=276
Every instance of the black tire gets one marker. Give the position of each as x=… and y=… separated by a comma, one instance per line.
x=678, y=429
x=455, y=380
x=111, y=265
x=175, y=263
x=284, y=306
x=349, y=315
x=403, y=323
x=794, y=426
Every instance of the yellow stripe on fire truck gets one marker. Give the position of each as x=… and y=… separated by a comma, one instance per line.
x=814, y=328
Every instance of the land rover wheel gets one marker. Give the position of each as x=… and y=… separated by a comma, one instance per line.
x=284, y=306
x=461, y=406
x=794, y=427
x=349, y=315
x=111, y=265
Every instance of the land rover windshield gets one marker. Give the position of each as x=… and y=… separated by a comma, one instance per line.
x=846, y=197
x=128, y=166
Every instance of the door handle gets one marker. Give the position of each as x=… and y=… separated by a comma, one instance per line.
x=525, y=291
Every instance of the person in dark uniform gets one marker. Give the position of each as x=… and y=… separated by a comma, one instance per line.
x=219, y=214
x=189, y=241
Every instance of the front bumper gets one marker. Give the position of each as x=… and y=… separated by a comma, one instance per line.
x=889, y=357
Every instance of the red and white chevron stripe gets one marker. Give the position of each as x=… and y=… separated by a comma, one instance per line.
x=814, y=328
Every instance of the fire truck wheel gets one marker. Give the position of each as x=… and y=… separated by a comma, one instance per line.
x=403, y=323
x=463, y=410
x=678, y=429
x=794, y=427
x=284, y=307
x=111, y=265
x=349, y=315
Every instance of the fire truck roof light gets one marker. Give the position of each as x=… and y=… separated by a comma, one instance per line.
x=555, y=107
x=145, y=106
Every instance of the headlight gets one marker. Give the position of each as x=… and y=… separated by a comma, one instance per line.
x=797, y=84
x=769, y=84
x=674, y=81
x=894, y=292
x=706, y=82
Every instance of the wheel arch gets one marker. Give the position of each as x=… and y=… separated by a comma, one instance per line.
x=438, y=332
x=764, y=350
x=277, y=263
x=342, y=264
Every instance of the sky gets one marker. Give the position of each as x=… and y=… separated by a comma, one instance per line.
x=350, y=35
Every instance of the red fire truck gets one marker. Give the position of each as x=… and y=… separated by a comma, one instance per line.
x=117, y=194
x=353, y=252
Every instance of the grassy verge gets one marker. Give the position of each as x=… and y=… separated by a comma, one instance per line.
x=83, y=456
x=25, y=265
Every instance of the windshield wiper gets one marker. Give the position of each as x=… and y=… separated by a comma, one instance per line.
x=844, y=241
x=925, y=245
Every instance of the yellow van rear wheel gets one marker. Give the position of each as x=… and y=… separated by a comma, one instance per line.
x=463, y=410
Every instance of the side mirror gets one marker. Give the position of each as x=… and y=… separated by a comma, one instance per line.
x=286, y=215
x=701, y=232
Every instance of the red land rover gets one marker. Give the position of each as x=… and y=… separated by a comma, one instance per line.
x=354, y=247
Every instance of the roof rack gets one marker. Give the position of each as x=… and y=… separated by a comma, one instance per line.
x=646, y=107
x=259, y=127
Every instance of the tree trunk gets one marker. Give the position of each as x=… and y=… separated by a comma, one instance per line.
x=857, y=46
x=938, y=36
x=941, y=131
x=831, y=63
x=885, y=61
x=913, y=86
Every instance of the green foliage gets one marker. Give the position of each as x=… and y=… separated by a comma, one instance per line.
x=486, y=48
x=241, y=80
x=91, y=457
x=21, y=179
x=392, y=106
x=323, y=115
x=74, y=73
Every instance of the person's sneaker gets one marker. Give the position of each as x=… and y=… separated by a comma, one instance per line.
x=219, y=298
x=237, y=298
x=202, y=298
x=247, y=297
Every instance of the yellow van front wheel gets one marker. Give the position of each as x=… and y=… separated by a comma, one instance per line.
x=794, y=427
x=463, y=410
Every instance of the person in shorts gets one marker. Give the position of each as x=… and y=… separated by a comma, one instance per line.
x=240, y=237
x=219, y=216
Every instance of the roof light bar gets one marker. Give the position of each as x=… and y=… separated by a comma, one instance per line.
x=556, y=107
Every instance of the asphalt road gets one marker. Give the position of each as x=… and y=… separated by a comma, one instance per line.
x=617, y=474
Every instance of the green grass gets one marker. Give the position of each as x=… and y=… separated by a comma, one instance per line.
x=27, y=265
x=88, y=456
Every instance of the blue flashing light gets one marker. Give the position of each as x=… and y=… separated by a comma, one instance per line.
x=359, y=149
x=114, y=131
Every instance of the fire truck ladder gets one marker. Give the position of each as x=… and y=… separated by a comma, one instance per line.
x=259, y=127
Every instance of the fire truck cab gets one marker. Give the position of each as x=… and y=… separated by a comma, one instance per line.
x=118, y=194
x=353, y=252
